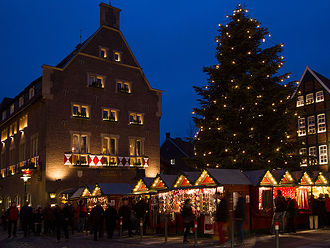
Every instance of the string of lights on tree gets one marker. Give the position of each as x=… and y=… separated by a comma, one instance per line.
x=244, y=114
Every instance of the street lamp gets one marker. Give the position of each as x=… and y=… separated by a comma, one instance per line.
x=25, y=177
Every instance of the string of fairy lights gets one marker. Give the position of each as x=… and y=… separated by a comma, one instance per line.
x=237, y=16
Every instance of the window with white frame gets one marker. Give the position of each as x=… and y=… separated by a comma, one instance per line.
x=321, y=127
x=79, y=110
x=117, y=56
x=12, y=108
x=311, y=124
x=319, y=96
x=309, y=98
x=20, y=101
x=103, y=52
x=31, y=92
x=312, y=153
x=303, y=153
x=110, y=114
x=323, y=154
x=135, y=119
x=301, y=126
x=300, y=101
x=96, y=81
x=123, y=87
x=80, y=143
x=136, y=147
x=109, y=145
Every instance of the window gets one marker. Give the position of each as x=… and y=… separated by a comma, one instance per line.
x=31, y=92
x=12, y=157
x=4, y=115
x=319, y=96
x=117, y=56
x=123, y=87
x=323, y=154
x=4, y=134
x=300, y=101
x=173, y=161
x=23, y=122
x=13, y=129
x=135, y=119
x=109, y=145
x=12, y=108
x=303, y=153
x=20, y=101
x=312, y=153
x=110, y=115
x=103, y=52
x=80, y=111
x=301, y=127
x=136, y=147
x=96, y=81
x=321, y=123
x=34, y=146
x=22, y=152
x=80, y=143
x=311, y=124
x=309, y=98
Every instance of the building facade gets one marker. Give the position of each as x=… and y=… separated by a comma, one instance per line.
x=92, y=118
x=312, y=99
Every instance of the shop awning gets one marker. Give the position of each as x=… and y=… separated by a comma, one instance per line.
x=229, y=177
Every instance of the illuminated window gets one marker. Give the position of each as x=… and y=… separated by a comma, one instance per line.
x=80, y=143
x=4, y=115
x=80, y=111
x=300, y=101
x=123, y=87
x=303, y=153
x=13, y=129
x=23, y=122
x=301, y=127
x=319, y=96
x=110, y=115
x=323, y=154
x=22, y=152
x=12, y=108
x=173, y=161
x=309, y=98
x=20, y=101
x=109, y=145
x=135, y=119
x=312, y=153
x=34, y=146
x=31, y=92
x=4, y=134
x=321, y=123
x=96, y=81
x=311, y=124
x=136, y=147
x=117, y=56
x=103, y=52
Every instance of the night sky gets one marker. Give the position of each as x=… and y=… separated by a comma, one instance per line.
x=172, y=40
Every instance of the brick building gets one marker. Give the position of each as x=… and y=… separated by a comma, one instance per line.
x=95, y=109
x=313, y=111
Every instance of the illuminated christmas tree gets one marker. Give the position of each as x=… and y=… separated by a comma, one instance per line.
x=244, y=114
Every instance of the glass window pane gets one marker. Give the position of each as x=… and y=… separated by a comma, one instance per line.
x=131, y=147
x=112, y=146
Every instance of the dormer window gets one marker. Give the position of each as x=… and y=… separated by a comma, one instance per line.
x=20, y=101
x=117, y=56
x=96, y=81
x=31, y=92
x=300, y=101
x=81, y=111
x=12, y=108
x=123, y=87
x=309, y=98
x=103, y=53
x=110, y=115
x=136, y=119
x=319, y=96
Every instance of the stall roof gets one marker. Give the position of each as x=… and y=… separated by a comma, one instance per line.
x=69, y=191
x=192, y=176
x=78, y=193
x=229, y=176
x=169, y=180
x=278, y=174
x=297, y=175
x=148, y=181
x=255, y=176
x=115, y=188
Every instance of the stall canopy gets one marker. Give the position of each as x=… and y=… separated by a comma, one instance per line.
x=186, y=179
x=112, y=189
x=83, y=191
x=322, y=179
x=255, y=176
x=143, y=185
x=163, y=182
x=229, y=177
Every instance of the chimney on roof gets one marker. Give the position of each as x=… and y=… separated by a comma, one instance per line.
x=109, y=16
x=168, y=135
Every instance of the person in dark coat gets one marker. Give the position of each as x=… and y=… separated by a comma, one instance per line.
x=240, y=216
x=221, y=215
x=61, y=221
x=141, y=209
x=37, y=220
x=188, y=218
x=97, y=215
x=110, y=216
x=125, y=213
x=327, y=208
x=12, y=219
x=280, y=209
x=291, y=214
x=49, y=219
x=26, y=217
x=81, y=213
x=314, y=217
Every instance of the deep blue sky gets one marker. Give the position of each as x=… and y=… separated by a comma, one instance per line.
x=172, y=40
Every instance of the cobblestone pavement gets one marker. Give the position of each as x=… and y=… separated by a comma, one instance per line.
x=310, y=239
